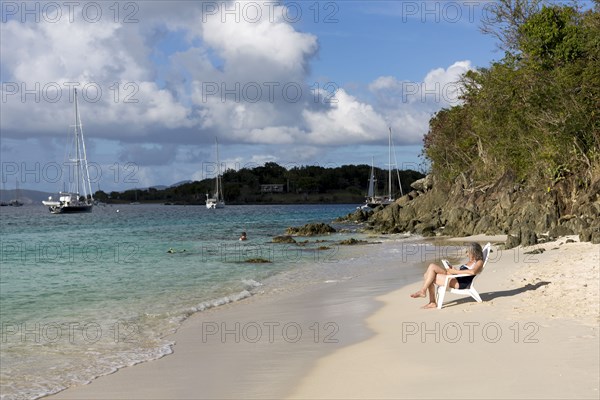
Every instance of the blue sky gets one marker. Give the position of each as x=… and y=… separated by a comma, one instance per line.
x=257, y=75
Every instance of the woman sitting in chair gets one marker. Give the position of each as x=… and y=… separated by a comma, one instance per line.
x=436, y=274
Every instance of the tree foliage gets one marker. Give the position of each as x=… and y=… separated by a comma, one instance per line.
x=316, y=184
x=536, y=113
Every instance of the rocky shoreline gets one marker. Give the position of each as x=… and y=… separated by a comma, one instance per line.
x=527, y=213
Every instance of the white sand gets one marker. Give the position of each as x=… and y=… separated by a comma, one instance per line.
x=534, y=336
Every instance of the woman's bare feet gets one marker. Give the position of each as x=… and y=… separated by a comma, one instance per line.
x=430, y=305
x=420, y=293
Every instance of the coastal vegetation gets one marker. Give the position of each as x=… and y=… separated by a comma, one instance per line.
x=521, y=154
x=272, y=184
x=535, y=113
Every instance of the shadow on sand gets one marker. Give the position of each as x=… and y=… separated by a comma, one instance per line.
x=488, y=296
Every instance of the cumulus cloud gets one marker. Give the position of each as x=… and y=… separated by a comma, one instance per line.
x=347, y=121
x=408, y=106
x=173, y=81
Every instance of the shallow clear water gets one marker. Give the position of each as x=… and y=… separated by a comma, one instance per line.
x=84, y=294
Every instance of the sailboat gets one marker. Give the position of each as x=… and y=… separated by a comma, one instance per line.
x=372, y=199
x=135, y=202
x=79, y=198
x=16, y=202
x=216, y=201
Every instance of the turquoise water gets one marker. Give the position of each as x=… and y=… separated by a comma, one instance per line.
x=85, y=294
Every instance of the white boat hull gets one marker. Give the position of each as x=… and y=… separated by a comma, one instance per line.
x=68, y=203
x=213, y=204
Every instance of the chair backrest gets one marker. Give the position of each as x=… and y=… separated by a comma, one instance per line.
x=486, y=254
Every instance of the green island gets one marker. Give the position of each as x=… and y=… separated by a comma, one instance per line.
x=271, y=184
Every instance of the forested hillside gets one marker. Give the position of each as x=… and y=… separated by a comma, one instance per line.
x=535, y=113
x=521, y=154
x=305, y=184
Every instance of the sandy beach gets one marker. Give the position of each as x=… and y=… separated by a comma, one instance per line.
x=534, y=336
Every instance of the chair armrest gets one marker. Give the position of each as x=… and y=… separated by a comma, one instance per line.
x=446, y=264
x=448, y=277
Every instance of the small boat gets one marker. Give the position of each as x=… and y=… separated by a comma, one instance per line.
x=216, y=201
x=16, y=202
x=372, y=199
x=135, y=202
x=79, y=198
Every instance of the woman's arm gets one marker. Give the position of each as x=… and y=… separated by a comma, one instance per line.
x=473, y=271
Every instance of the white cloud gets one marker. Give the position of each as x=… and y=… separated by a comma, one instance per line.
x=162, y=82
x=346, y=121
x=268, y=49
x=408, y=106
x=385, y=82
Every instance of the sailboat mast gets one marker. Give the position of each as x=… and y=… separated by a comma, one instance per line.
x=77, y=157
x=371, y=190
x=218, y=195
x=390, y=165
x=87, y=184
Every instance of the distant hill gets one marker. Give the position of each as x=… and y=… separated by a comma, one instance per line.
x=176, y=184
x=25, y=195
x=272, y=184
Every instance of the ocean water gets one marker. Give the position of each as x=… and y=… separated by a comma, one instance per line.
x=85, y=294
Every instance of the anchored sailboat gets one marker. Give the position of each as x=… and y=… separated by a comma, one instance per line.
x=372, y=199
x=16, y=202
x=78, y=199
x=216, y=201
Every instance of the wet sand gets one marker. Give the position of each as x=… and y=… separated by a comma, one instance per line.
x=534, y=336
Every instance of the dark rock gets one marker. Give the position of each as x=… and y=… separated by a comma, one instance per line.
x=283, y=239
x=536, y=251
x=590, y=235
x=469, y=205
x=544, y=239
x=402, y=201
x=528, y=238
x=257, y=261
x=423, y=184
x=425, y=229
x=312, y=229
x=358, y=216
x=585, y=235
x=560, y=230
x=485, y=225
x=512, y=241
x=352, y=242
x=413, y=194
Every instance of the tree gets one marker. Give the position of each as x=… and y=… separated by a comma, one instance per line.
x=552, y=37
x=503, y=18
x=534, y=113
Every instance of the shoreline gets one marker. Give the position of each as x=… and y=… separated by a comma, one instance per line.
x=526, y=340
x=259, y=346
x=367, y=317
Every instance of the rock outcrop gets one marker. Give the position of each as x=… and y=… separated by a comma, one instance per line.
x=312, y=229
x=525, y=212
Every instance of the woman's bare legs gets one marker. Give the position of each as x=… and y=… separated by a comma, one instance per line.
x=428, y=280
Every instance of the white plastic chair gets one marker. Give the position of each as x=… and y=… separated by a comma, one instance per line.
x=470, y=291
